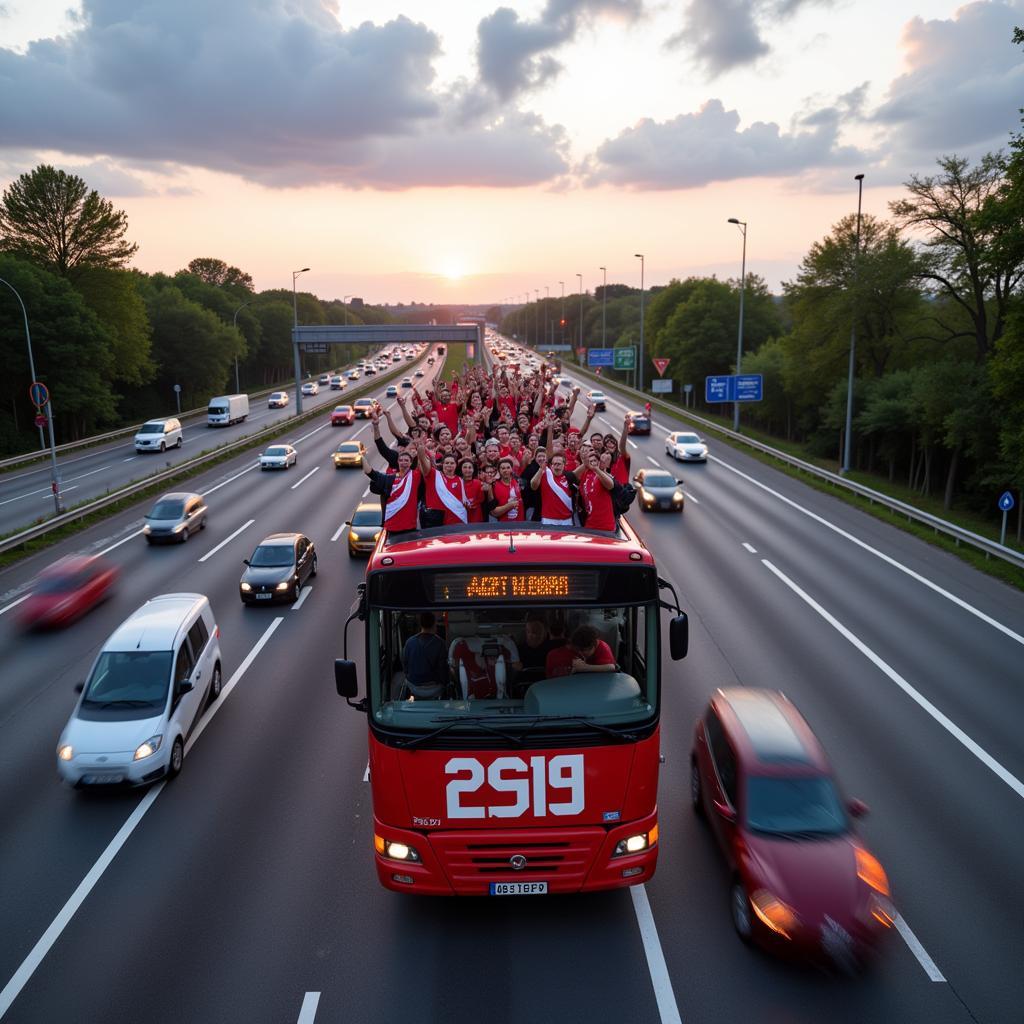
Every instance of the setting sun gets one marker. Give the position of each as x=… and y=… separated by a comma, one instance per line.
x=452, y=269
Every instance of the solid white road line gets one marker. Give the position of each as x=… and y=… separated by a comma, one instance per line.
x=306, y=591
x=299, y=483
x=14, y=604
x=874, y=551
x=118, y=543
x=918, y=950
x=230, y=479
x=668, y=1011
x=28, y=966
x=227, y=540
x=307, y=1014
x=954, y=730
x=750, y=548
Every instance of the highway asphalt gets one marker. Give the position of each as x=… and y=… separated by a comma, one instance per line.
x=245, y=889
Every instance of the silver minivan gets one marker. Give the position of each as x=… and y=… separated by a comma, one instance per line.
x=175, y=517
x=146, y=693
x=158, y=435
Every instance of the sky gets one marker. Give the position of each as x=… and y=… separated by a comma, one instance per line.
x=485, y=152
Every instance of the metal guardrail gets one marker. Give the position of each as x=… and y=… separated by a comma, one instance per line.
x=248, y=441
x=990, y=548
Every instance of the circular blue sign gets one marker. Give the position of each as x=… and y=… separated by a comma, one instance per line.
x=1006, y=501
x=39, y=393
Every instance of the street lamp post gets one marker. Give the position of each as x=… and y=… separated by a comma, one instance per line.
x=549, y=327
x=742, y=225
x=562, y=321
x=234, y=324
x=580, y=276
x=604, y=307
x=640, y=361
x=859, y=178
x=54, y=478
x=295, y=343
x=536, y=316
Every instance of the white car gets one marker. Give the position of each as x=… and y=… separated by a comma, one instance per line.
x=277, y=400
x=311, y=388
x=279, y=456
x=338, y=383
x=597, y=399
x=686, y=447
x=146, y=691
x=353, y=375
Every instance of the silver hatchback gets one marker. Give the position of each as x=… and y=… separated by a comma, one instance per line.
x=175, y=517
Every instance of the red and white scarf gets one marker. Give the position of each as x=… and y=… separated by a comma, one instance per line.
x=454, y=505
x=401, y=491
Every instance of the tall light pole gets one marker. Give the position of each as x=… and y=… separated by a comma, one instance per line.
x=859, y=178
x=580, y=276
x=549, y=329
x=562, y=320
x=234, y=324
x=58, y=505
x=344, y=302
x=295, y=343
x=526, y=319
x=604, y=307
x=536, y=315
x=742, y=225
x=640, y=361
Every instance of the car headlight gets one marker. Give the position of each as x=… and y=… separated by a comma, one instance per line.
x=283, y=586
x=396, y=851
x=66, y=752
x=636, y=844
x=647, y=497
x=871, y=872
x=376, y=535
x=353, y=536
x=148, y=748
x=146, y=531
x=778, y=916
x=245, y=586
x=677, y=497
x=178, y=528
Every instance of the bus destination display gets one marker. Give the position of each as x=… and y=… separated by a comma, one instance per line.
x=516, y=586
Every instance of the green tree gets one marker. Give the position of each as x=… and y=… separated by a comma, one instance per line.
x=113, y=295
x=219, y=274
x=53, y=219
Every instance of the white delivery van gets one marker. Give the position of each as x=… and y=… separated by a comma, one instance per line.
x=227, y=409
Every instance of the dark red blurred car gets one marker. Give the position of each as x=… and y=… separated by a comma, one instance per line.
x=66, y=590
x=639, y=422
x=802, y=880
x=343, y=415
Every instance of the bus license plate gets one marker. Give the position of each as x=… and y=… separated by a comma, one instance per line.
x=519, y=888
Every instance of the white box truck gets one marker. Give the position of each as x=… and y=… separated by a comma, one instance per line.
x=227, y=409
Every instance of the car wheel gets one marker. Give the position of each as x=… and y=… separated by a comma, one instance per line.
x=312, y=571
x=177, y=757
x=178, y=445
x=351, y=553
x=696, y=797
x=740, y=907
x=202, y=523
x=215, y=684
x=297, y=591
x=184, y=535
x=163, y=447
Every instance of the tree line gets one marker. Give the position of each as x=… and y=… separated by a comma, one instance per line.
x=933, y=296
x=110, y=343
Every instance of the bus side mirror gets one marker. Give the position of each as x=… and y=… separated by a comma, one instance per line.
x=678, y=636
x=345, y=678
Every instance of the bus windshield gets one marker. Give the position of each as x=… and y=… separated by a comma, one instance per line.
x=523, y=665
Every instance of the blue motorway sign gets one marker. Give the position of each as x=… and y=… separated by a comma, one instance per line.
x=600, y=357
x=1006, y=501
x=744, y=387
x=39, y=394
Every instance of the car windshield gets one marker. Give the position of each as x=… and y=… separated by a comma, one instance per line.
x=276, y=451
x=137, y=679
x=687, y=439
x=62, y=582
x=278, y=395
x=800, y=806
x=659, y=480
x=342, y=408
x=349, y=446
x=151, y=428
x=367, y=517
x=273, y=556
x=165, y=509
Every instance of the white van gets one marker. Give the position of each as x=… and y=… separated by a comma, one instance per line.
x=227, y=409
x=146, y=692
x=158, y=435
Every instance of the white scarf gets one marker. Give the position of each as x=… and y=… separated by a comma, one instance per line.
x=450, y=502
x=557, y=489
x=400, y=493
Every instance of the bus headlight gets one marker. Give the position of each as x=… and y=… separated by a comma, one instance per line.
x=396, y=851
x=636, y=844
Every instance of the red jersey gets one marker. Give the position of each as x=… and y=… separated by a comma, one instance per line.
x=555, y=496
x=400, y=508
x=559, y=661
x=620, y=469
x=597, y=502
x=447, y=494
x=474, y=500
x=448, y=414
x=571, y=460
x=504, y=493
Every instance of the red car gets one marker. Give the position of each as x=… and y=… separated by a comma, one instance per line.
x=67, y=590
x=639, y=422
x=343, y=416
x=802, y=880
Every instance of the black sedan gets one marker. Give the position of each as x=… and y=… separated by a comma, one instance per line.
x=658, y=490
x=278, y=568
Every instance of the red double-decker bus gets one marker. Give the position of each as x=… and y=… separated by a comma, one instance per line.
x=500, y=778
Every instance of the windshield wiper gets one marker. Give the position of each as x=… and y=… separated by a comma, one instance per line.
x=587, y=721
x=807, y=833
x=121, y=703
x=450, y=723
